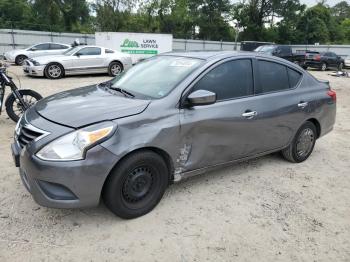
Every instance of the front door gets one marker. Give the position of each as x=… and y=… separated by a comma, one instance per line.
x=87, y=59
x=218, y=133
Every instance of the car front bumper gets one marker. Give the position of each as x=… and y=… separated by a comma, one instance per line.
x=30, y=69
x=60, y=184
x=313, y=64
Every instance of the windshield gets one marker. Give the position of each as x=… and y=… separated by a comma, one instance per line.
x=265, y=48
x=71, y=50
x=157, y=76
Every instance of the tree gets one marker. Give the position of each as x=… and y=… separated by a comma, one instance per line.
x=15, y=13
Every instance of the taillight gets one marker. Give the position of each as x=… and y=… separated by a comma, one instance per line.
x=333, y=95
x=317, y=57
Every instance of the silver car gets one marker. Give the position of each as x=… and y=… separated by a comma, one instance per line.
x=79, y=60
x=18, y=56
x=167, y=118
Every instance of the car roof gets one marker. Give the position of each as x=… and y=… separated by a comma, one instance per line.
x=218, y=55
x=209, y=55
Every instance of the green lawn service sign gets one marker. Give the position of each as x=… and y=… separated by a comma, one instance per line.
x=146, y=47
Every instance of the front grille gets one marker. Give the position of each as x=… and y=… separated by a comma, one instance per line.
x=25, y=134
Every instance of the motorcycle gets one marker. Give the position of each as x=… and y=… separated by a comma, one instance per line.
x=19, y=100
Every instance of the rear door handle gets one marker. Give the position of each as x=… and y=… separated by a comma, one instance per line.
x=303, y=104
x=250, y=114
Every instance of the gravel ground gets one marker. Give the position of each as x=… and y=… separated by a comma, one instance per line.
x=262, y=210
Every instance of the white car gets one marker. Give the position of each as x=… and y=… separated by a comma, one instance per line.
x=43, y=49
x=79, y=60
x=347, y=61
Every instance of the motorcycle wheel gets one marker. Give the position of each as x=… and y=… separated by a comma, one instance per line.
x=15, y=109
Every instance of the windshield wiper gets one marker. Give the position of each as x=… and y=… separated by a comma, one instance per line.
x=118, y=89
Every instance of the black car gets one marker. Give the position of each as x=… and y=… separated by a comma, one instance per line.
x=323, y=60
x=283, y=51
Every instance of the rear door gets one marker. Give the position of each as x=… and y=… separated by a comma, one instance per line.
x=39, y=50
x=276, y=103
x=56, y=49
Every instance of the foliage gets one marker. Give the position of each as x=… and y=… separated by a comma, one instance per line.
x=284, y=21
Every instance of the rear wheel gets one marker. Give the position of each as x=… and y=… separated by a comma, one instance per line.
x=302, y=145
x=20, y=59
x=15, y=109
x=136, y=185
x=54, y=71
x=324, y=67
x=115, y=68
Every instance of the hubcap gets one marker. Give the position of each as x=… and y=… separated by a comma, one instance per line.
x=54, y=71
x=137, y=184
x=305, y=142
x=324, y=67
x=116, y=69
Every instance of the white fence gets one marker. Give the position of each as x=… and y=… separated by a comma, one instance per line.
x=15, y=39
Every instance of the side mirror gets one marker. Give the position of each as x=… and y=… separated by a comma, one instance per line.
x=201, y=98
x=77, y=54
x=33, y=49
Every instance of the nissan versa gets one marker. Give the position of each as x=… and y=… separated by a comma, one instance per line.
x=167, y=118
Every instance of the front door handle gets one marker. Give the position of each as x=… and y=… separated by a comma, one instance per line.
x=250, y=114
x=303, y=104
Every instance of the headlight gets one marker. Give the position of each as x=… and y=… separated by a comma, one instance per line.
x=36, y=63
x=74, y=145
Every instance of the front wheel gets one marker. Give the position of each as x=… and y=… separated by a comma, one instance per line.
x=14, y=107
x=323, y=67
x=54, y=71
x=302, y=145
x=136, y=185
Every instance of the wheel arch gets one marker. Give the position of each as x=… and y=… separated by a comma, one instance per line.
x=317, y=125
x=166, y=157
x=118, y=61
x=54, y=62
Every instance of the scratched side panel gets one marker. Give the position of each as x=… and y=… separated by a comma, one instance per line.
x=152, y=128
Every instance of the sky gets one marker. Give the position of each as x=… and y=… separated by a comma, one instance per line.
x=313, y=2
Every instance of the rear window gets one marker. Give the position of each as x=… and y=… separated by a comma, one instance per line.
x=294, y=77
x=273, y=77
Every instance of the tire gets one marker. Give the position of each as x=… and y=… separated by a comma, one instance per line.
x=340, y=67
x=20, y=59
x=115, y=68
x=13, y=107
x=323, y=67
x=297, y=152
x=136, y=184
x=54, y=71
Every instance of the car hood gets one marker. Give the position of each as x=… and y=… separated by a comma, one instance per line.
x=88, y=105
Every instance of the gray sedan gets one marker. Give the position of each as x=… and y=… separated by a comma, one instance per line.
x=79, y=60
x=166, y=119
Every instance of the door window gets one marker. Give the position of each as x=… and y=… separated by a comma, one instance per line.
x=42, y=47
x=294, y=77
x=90, y=51
x=229, y=80
x=57, y=46
x=273, y=77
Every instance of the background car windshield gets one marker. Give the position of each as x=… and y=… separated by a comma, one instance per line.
x=156, y=77
x=265, y=48
x=71, y=50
